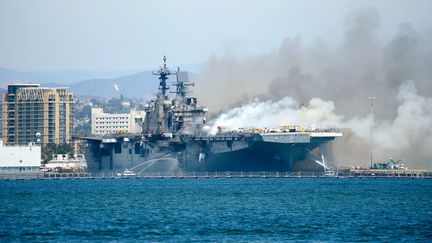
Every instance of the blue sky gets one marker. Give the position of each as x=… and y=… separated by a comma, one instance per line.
x=131, y=35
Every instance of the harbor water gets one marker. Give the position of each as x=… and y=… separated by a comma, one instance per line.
x=216, y=209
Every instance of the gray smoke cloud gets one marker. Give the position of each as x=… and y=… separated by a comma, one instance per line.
x=338, y=79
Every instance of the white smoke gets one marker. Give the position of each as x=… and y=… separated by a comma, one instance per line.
x=342, y=75
x=409, y=135
x=397, y=138
x=269, y=114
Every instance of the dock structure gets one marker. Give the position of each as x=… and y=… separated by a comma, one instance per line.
x=413, y=174
x=389, y=173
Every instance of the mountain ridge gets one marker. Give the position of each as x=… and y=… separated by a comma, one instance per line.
x=9, y=75
x=134, y=85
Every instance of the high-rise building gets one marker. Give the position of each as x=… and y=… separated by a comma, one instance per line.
x=108, y=123
x=36, y=114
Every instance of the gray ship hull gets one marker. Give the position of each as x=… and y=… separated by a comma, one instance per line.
x=251, y=152
x=261, y=156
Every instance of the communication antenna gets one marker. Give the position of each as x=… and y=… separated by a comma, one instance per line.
x=182, y=84
x=301, y=117
x=163, y=74
x=371, y=98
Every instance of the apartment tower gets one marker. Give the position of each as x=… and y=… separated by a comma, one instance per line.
x=37, y=114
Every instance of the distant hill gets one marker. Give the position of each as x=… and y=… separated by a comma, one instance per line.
x=8, y=76
x=137, y=85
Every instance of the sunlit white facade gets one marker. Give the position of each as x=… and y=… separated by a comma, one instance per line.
x=108, y=123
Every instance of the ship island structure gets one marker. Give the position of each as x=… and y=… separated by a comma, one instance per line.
x=176, y=138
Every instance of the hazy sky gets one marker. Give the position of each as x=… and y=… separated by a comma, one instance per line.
x=125, y=35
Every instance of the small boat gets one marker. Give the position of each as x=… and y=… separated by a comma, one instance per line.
x=126, y=173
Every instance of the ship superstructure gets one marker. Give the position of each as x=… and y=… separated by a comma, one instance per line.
x=175, y=137
x=167, y=116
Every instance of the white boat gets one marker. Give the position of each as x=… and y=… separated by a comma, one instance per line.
x=128, y=173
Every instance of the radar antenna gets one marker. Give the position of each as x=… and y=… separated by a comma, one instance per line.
x=163, y=74
x=182, y=83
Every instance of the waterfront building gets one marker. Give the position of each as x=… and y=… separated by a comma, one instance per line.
x=65, y=163
x=111, y=123
x=20, y=158
x=31, y=113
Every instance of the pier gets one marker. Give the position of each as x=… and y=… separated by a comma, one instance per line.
x=413, y=174
x=389, y=173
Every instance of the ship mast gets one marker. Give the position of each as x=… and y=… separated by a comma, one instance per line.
x=371, y=98
x=157, y=114
x=182, y=84
x=163, y=74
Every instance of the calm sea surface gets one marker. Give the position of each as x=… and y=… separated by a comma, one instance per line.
x=216, y=210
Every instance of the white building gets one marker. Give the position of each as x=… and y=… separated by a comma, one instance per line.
x=107, y=123
x=20, y=159
x=78, y=163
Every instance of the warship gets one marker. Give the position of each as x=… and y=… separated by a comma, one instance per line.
x=176, y=137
